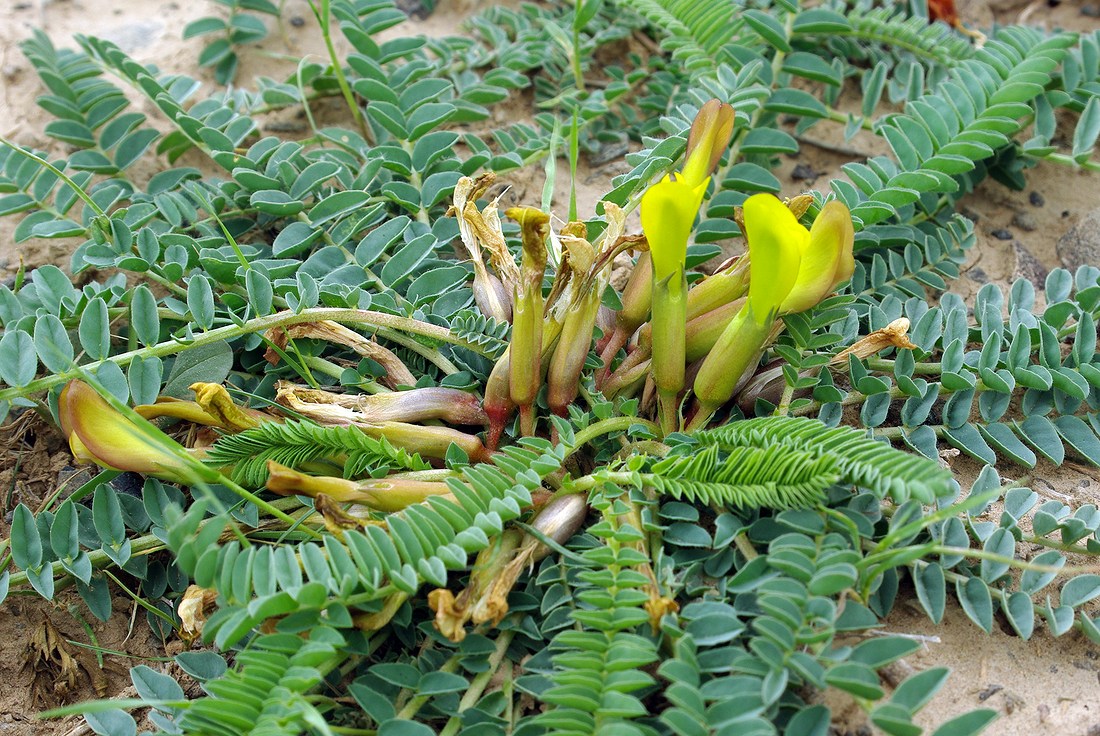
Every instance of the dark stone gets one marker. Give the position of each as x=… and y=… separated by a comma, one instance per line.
x=73, y=478
x=415, y=8
x=804, y=172
x=970, y=214
x=1036, y=199
x=978, y=276
x=23, y=6
x=297, y=21
x=129, y=483
x=1028, y=266
x=1001, y=234
x=1090, y=10
x=1025, y=221
x=989, y=692
x=1081, y=245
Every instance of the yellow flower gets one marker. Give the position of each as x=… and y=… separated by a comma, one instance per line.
x=668, y=212
x=100, y=434
x=776, y=244
x=792, y=269
x=669, y=206
x=827, y=259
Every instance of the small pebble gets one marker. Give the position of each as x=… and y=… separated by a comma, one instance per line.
x=1001, y=234
x=297, y=21
x=970, y=214
x=1025, y=222
x=1036, y=199
x=989, y=692
x=1090, y=10
x=803, y=172
x=129, y=483
x=1028, y=266
x=977, y=275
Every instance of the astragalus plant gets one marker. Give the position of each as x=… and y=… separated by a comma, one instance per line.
x=413, y=465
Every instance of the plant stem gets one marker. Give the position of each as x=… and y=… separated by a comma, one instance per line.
x=1061, y=158
x=479, y=683
x=981, y=554
x=58, y=173
x=324, y=19
x=259, y=324
x=607, y=426
x=416, y=703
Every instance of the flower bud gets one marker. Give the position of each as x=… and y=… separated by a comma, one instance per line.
x=385, y=494
x=429, y=441
x=703, y=331
x=527, y=314
x=637, y=297
x=498, y=404
x=710, y=134
x=720, y=288
x=100, y=434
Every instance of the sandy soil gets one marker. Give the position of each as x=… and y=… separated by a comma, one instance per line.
x=1044, y=686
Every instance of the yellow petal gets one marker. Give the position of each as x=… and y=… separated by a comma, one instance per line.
x=166, y=406
x=776, y=242
x=98, y=432
x=826, y=260
x=668, y=212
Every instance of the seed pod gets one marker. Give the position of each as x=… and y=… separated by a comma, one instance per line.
x=527, y=314
x=415, y=405
x=703, y=331
x=498, y=404
x=559, y=520
x=384, y=494
x=491, y=296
